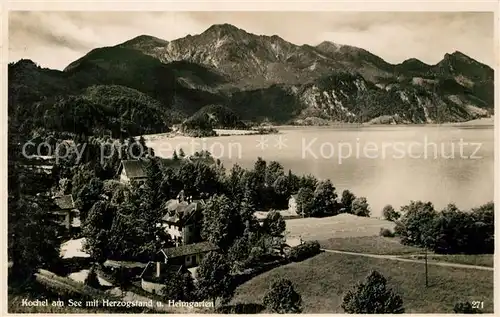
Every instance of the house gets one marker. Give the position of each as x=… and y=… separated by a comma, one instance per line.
x=290, y=213
x=154, y=275
x=182, y=220
x=65, y=213
x=189, y=255
x=132, y=170
x=172, y=260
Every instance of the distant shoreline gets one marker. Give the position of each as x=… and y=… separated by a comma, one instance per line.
x=235, y=132
x=475, y=122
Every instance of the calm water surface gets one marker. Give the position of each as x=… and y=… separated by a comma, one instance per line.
x=387, y=165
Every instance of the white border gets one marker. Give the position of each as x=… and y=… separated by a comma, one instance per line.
x=370, y=5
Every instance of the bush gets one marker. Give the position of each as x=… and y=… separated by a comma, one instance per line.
x=372, y=297
x=304, y=251
x=384, y=232
x=282, y=298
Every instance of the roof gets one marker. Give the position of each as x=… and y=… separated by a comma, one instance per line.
x=189, y=249
x=181, y=211
x=124, y=264
x=135, y=168
x=149, y=271
x=65, y=202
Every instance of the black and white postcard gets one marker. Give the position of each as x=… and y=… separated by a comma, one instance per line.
x=169, y=158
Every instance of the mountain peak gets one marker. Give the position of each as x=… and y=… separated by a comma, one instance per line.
x=224, y=28
x=328, y=46
x=457, y=55
x=144, y=40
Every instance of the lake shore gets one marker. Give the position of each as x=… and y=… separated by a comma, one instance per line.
x=490, y=121
x=476, y=122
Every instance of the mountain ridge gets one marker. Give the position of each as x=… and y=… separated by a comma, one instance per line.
x=268, y=79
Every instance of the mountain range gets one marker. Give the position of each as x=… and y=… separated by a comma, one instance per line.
x=260, y=78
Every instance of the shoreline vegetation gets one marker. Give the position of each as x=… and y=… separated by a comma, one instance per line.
x=325, y=123
x=276, y=129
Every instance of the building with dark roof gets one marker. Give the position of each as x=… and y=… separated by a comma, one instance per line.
x=173, y=260
x=132, y=170
x=65, y=212
x=182, y=219
x=189, y=255
x=155, y=273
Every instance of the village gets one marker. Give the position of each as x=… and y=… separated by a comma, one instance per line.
x=181, y=220
x=157, y=234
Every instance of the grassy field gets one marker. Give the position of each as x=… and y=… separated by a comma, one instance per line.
x=470, y=259
x=340, y=226
x=371, y=245
x=323, y=279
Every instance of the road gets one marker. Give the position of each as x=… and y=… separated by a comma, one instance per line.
x=398, y=258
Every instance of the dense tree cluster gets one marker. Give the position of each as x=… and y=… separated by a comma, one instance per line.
x=448, y=231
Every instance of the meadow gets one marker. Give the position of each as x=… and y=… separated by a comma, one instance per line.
x=323, y=279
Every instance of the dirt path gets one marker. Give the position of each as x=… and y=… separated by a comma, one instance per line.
x=398, y=258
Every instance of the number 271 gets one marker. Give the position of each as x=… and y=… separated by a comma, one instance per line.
x=477, y=304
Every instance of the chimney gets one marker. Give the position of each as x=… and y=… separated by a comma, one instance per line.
x=158, y=269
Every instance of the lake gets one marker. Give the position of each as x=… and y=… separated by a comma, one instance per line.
x=386, y=164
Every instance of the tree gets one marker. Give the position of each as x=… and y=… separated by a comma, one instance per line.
x=186, y=176
x=273, y=171
x=214, y=279
x=247, y=209
x=305, y=201
x=347, y=198
x=205, y=180
x=324, y=202
x=92, y=279
x=372, y=297
x=96, y=228
x=281, y=191
x=293, y=182
x=282, y=298
x=235, y=185
x=260, y=170
x=88, y=196
x=32, y=237
x=181, y=153
x=465, y=308
x=170, y=185
x=274, y=224
x=417, y=223
x=360, y=207
x=221, y=222
x=179, y=286
x=308, y=181
x=390, y=214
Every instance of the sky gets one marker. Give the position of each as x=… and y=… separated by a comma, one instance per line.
x=55, y=39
